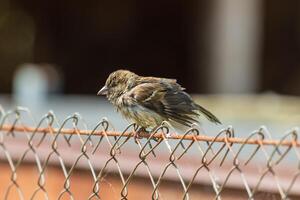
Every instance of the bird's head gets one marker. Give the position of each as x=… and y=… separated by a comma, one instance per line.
x=117, y=83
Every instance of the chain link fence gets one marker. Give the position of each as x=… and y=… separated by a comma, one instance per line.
x=191, y=165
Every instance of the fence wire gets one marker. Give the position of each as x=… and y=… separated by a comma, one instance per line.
x=261, y=167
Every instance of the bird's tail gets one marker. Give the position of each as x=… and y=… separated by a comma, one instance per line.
x=208, y=115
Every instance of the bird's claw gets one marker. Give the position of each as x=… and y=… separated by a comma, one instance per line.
x=137, y=134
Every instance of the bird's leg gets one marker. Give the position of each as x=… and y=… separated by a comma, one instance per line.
x=138, y=133
x=142, y=130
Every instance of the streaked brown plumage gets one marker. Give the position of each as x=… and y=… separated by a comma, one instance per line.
x=148, y=101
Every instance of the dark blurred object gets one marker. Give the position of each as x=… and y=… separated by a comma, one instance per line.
x=17, y=35
x=91, y=39
x=88, y=40
x=281, y=52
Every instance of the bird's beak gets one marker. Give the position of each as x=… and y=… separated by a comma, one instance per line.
x=103, y=91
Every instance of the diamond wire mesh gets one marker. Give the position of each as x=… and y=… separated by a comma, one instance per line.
x=191, y=159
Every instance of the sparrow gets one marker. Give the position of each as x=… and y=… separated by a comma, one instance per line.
x=148, y=101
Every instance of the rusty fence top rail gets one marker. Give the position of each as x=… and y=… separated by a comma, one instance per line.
x=158, y=135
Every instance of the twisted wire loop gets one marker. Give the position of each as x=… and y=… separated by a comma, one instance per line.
x=257, y=165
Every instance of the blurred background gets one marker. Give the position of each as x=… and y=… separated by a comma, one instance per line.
x=57, y=54
x=241, y=56
x=229, y=46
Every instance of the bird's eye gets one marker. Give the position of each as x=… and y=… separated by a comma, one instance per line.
x=112, y=84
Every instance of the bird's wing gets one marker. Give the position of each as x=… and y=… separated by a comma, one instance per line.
x=167, y=98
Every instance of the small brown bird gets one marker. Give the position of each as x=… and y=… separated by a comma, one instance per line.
x=148, y=101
